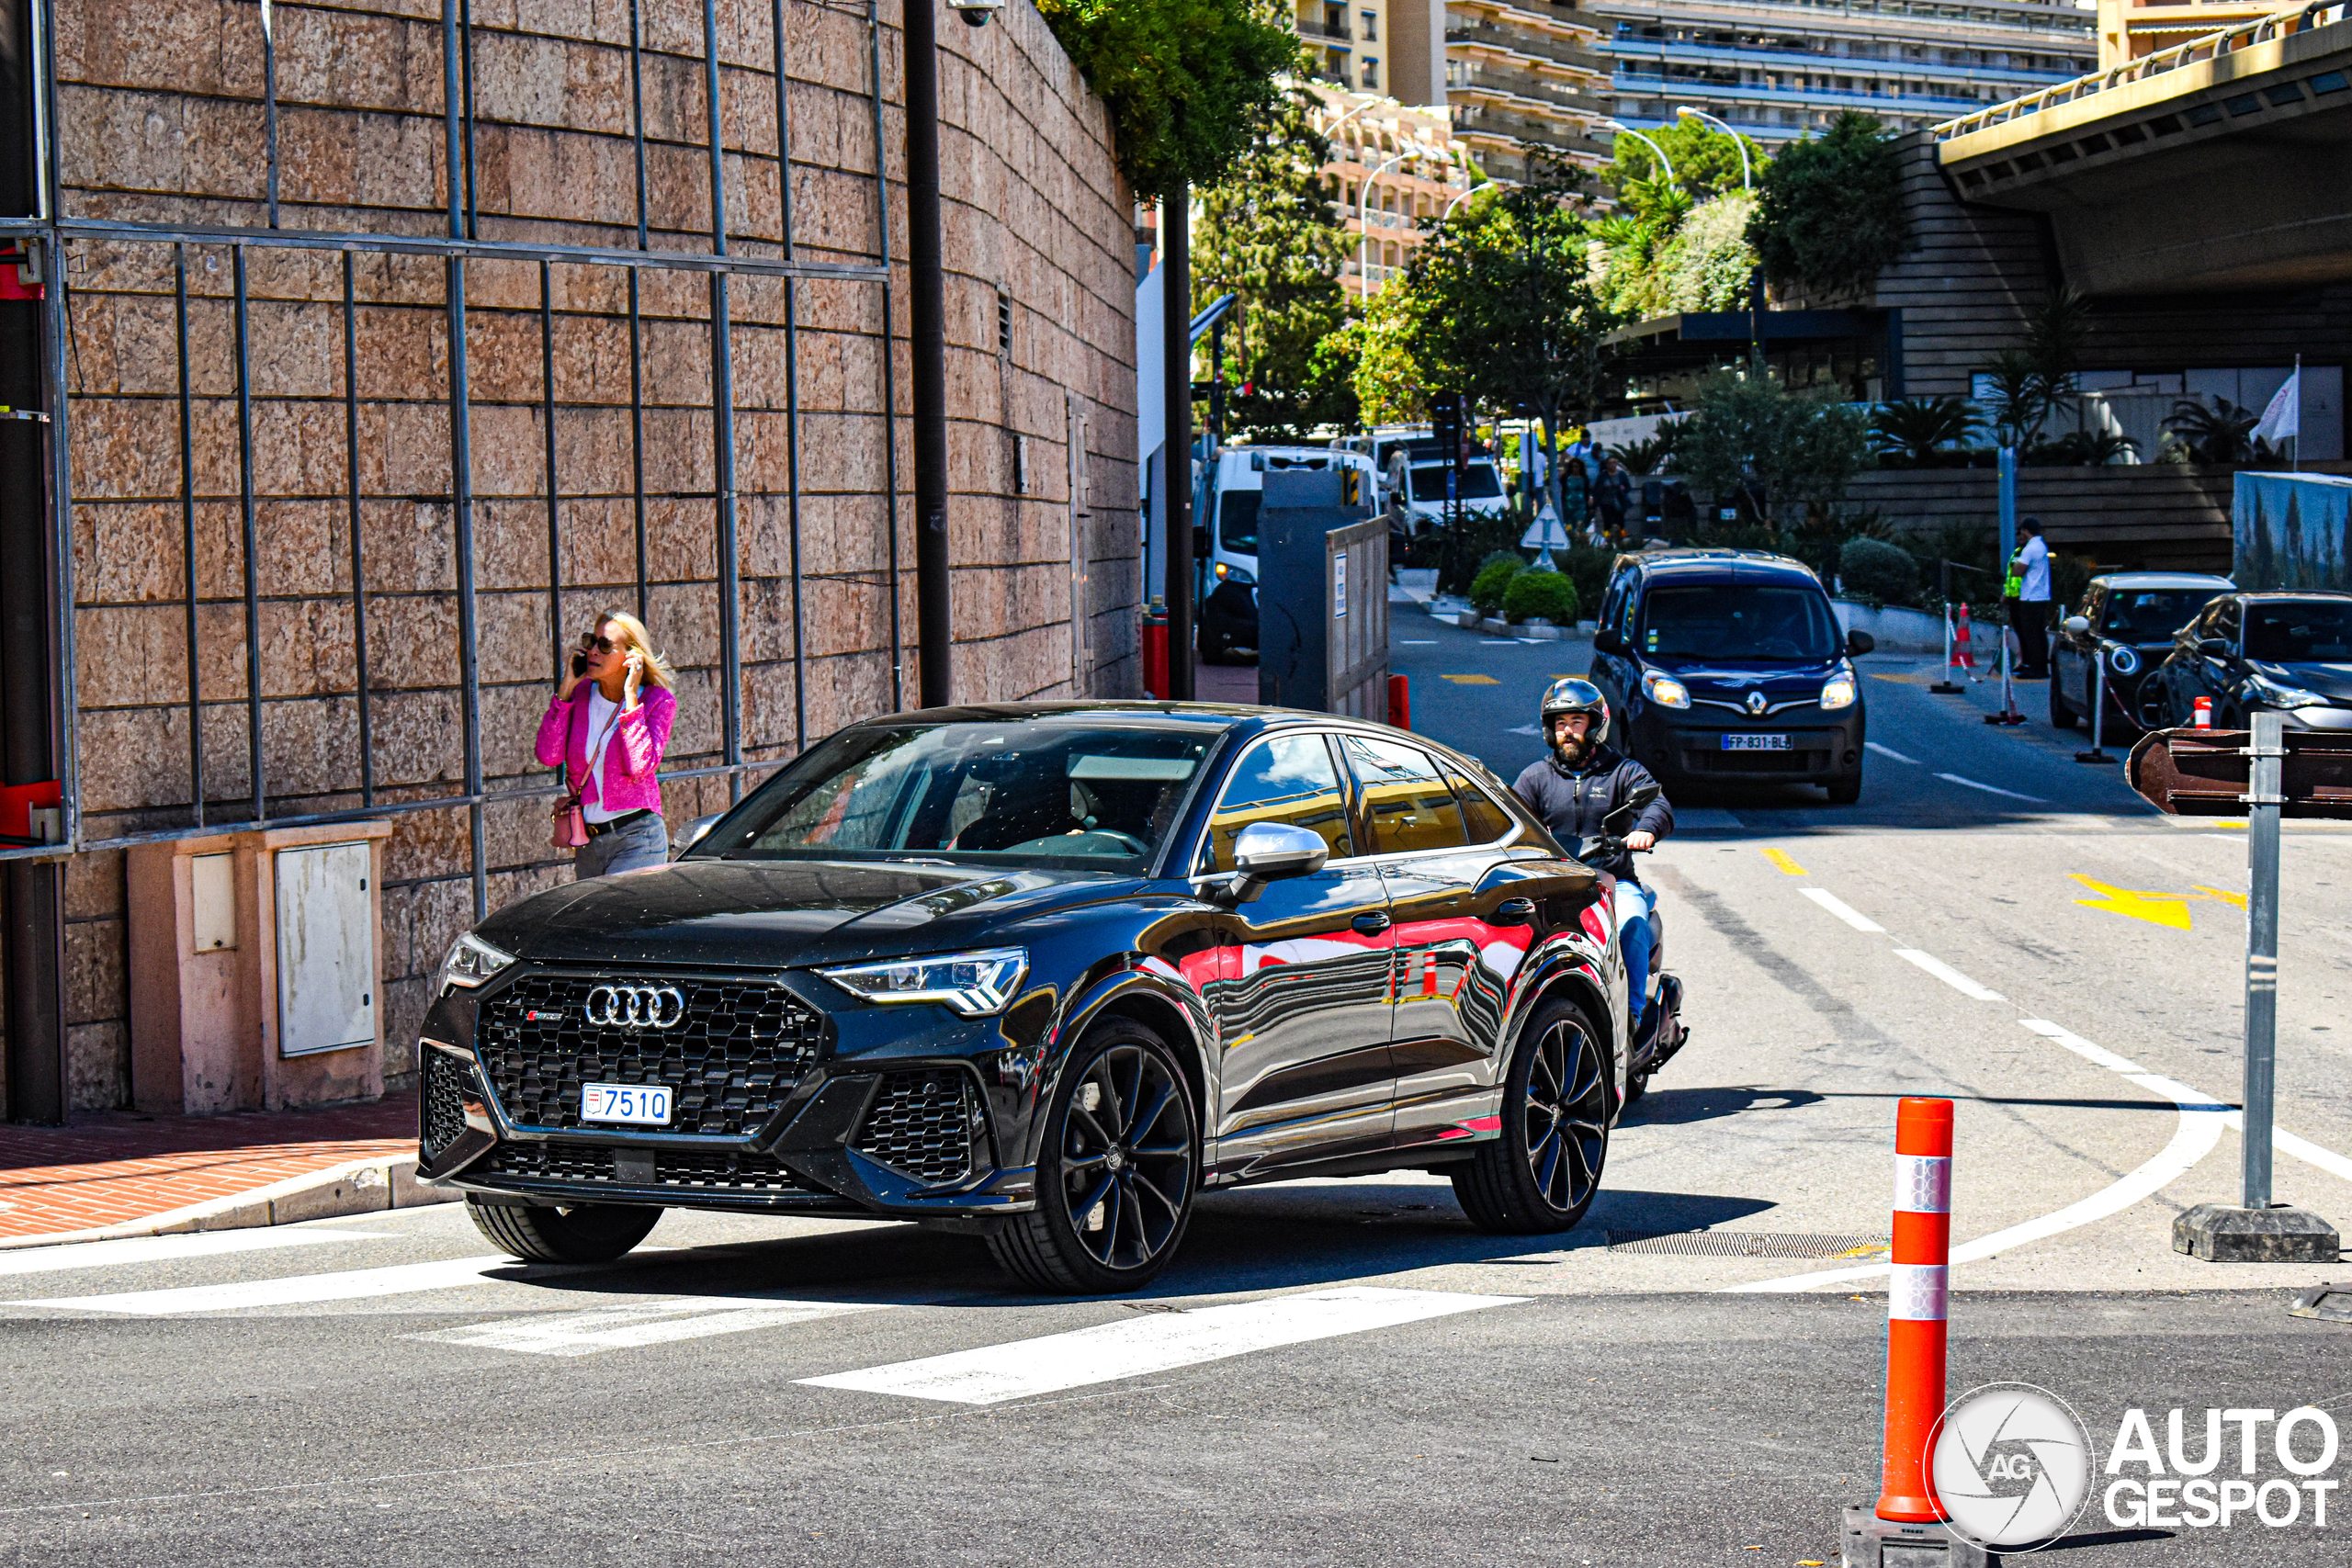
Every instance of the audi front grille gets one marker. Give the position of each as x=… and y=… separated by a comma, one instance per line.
x=732, y=1050
x=924, y=1123
x=679, y=1170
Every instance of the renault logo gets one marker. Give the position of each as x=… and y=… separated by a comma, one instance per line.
x=635, y=1007
x=1756, y=703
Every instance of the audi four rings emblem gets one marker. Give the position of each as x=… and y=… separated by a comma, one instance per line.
x=635, y=1007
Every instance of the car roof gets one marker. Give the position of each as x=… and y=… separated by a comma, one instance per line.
x=1717, y=565
x=2162, y=580
x=1218, y=716
x=2252, y=594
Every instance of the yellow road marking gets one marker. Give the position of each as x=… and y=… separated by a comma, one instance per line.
x=1470, y=680
x=1780, y=858
x=2156, y=909
x=2236, y=898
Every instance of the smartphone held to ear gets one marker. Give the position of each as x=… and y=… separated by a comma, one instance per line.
x=579, y=664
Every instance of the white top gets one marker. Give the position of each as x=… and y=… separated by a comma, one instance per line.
x=602, y=716
x=2036, y=558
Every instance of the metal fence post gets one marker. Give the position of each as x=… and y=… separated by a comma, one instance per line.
x=2262, y=800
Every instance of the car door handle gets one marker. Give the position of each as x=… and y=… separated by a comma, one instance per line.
x=1514, y=911
x=1372, y=923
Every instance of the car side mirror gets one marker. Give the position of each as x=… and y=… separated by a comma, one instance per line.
x=1859, y=643
x=2213, y=646
x=1201, y=550
x=693, y=833
x=1270, y=851
x=2080, y=625
x=1610, y=641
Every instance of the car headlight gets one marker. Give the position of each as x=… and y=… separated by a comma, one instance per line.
x=1240, y=574
x=974, y=984
x=2278, y=697
x=471, y=961
x=2123, y=661
x=1667, y=692
x=1837, y=693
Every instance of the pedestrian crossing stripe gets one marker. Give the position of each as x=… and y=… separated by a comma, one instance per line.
x=638, y=1325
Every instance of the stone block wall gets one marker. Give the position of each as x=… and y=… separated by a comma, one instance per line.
x=161, y=120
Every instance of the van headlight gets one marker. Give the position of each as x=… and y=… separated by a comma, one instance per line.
x=1667, y=692
x=1228, y=572
x=1837, y=693
x=974, y=984
x=469, y=962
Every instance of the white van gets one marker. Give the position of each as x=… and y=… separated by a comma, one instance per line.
x=1226, y=510
x=1422, y=501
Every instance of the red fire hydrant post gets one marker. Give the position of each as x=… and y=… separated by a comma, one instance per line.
x=1400, y=701
x=1916, y=1301
x=1154, y=653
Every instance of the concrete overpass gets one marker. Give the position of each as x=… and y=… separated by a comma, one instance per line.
x=2224, y=162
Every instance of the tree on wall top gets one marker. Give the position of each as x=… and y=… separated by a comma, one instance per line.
x=1186, y=81
x=1829, y=209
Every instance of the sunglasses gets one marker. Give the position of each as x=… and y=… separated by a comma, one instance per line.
x=601, y=643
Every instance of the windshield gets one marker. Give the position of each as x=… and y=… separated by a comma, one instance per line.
x=1036, y=791
x=2311, y=631
x=1478, y=484
x=2153, y=614
x=1236, y=521
x=1739, y=620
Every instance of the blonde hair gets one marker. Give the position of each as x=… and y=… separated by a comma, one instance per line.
x=633, y=632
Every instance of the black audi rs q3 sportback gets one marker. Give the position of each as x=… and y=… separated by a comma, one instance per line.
x=1044, y=971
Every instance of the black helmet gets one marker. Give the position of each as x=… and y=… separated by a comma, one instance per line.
x=1575, y=695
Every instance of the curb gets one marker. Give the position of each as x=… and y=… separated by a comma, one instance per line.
x=356, y=1187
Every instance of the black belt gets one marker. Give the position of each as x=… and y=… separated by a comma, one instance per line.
x=598, y=830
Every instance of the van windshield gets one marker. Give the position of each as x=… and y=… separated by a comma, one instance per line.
x=1478, y=484
x=1739, y=620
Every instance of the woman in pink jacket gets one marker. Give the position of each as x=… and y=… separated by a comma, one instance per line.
x=606, y=728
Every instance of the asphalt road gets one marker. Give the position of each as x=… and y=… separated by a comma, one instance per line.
x=1343, y=1372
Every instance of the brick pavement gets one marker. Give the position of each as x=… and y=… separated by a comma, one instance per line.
x=111, y=1167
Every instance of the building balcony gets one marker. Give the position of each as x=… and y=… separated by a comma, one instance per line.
x=1823, y=64
x=1484, y=81
x=1321, y=34
x=1687, y=88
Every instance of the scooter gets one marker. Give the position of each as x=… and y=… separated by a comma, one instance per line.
x=1658, y=1031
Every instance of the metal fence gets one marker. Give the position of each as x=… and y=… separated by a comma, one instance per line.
x=286, y=395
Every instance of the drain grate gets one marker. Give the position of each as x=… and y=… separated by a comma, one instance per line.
x=1745, y=1244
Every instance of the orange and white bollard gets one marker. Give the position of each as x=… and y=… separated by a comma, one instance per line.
x=2204, y=710
x=1916, y=1310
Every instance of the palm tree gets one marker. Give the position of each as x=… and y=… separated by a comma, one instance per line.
x=1914, y=428
x=2220, y=435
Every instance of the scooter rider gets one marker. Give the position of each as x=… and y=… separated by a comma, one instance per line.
x=1575, y=788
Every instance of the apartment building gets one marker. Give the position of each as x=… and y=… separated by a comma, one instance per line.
x=1526, y=74
x=2130, y=29
x=1779, y=69
x=1393, y=163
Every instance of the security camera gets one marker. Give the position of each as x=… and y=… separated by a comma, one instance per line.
x=977, y=13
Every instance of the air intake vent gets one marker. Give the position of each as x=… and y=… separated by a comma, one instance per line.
x=925, y=1124
x=441, y=1101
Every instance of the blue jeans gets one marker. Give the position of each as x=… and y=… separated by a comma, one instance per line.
x=1636, y=938
x=643, y=843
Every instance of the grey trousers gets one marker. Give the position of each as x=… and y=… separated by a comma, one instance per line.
x=643, y=843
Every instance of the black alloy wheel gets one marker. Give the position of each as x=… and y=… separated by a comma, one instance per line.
x=1541, y=1173
x=584, y=1233
x=1117, y=1174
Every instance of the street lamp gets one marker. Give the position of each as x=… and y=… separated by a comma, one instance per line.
x=1685, y=111
x=1363, y=218
x=1463, y=197
x=1617, y=129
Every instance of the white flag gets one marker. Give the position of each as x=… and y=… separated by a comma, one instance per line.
x=2284, y=416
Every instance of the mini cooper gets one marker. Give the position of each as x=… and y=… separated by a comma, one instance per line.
x=1044, y=972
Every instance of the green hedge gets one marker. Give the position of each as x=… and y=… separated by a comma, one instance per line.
x=1494, y=579
x=1546, y=594
x=1872, y=569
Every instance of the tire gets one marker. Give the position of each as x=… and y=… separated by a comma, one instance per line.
x=586, y=1232
x=2061, y=716
x=1845, y=791
x=1115, y=1177
x=1637, y=1087
x=1541, y=1173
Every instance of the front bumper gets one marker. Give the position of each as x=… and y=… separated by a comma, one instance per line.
x=899, y=1112
x=1685, y=745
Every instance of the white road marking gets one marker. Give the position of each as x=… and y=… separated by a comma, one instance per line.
x=1501, y=641
x=1418, y=641
x=1527, y=729
x=167, y=1248
x=638, y=1324
x=1988, y=789
x=1948, y=974
x=1153, y=1342
x=354, y=1284
x=1843, y=911
x=1889, y=751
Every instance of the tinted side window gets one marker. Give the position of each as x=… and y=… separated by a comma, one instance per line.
x=1406, y=797
x=1487, y=821
x=2225, y=620
x=1288, y=779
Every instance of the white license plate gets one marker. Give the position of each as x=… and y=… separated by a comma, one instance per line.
x=640, y=1105
x=1755, y=743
